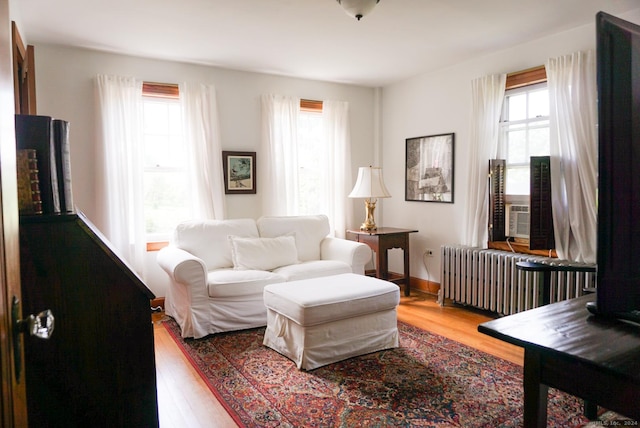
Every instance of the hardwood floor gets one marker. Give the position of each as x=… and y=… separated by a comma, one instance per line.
x=184, y=400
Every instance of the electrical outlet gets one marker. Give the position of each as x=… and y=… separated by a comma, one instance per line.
x=429, y=252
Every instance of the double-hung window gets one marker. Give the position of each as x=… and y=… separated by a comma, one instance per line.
x=311, y=175
x=521, y=208
x=524, y=133
x=166, y=191
x=308, y=149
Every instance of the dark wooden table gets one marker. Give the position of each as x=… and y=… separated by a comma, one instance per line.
x=382, y=240
x=567, y=348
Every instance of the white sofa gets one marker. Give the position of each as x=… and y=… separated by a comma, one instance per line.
x=219, y=268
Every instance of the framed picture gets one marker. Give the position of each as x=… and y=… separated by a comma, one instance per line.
x=429, y=169
x=239, y=172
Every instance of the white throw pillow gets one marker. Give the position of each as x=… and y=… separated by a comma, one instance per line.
x=263, y=253
x=309, y=231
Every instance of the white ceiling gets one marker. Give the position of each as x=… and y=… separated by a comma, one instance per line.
x=312, y=39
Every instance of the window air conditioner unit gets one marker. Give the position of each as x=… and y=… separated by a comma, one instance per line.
x=517, y=221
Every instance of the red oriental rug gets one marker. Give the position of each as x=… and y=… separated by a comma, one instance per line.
x=430, y=381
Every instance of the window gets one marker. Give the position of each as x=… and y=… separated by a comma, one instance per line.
x=310, y=171
x=318, y=152
x=524, y=133
x=166, y=190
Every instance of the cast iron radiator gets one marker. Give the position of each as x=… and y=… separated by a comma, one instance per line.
x=489, y=280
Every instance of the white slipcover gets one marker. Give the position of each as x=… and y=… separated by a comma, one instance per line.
x=319, y=321
x=208, y=294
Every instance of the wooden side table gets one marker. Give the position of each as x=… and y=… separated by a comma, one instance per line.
x=382, y=240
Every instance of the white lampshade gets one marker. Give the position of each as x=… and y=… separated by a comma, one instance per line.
x=369, y=184
x=358, y=8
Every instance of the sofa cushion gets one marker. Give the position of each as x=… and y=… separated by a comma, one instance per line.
x=312, y=269
x=207, y=239
x=263, y=253
x=309, y=231
x=231, y=283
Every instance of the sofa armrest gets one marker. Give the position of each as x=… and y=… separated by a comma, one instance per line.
x=182, y=266
x=355, y=254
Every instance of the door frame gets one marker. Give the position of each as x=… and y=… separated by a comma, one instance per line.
x=12, y=392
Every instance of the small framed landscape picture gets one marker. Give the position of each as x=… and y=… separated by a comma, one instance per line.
x=239, y=172
x=429, y=169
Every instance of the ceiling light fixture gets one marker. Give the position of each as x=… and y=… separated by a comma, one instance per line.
x=358, y=8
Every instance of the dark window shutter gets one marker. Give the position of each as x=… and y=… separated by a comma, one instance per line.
x=497, y=212
x=541, y=217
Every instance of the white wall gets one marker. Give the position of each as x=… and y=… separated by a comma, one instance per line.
x=65, y=79
x=381, y=120
x=438, y=103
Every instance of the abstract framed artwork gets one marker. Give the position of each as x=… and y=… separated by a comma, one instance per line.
x=429, y=168
x=239, y=172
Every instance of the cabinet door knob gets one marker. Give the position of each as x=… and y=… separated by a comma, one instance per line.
x=40, y=326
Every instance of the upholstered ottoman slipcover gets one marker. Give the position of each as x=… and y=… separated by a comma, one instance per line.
x=319, y=321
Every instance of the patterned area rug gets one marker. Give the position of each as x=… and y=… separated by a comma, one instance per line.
x=430, y=381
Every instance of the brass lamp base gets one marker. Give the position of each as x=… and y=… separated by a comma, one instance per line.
x=369, y=223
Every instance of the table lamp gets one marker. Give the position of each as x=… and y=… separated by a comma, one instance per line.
x=370, y=186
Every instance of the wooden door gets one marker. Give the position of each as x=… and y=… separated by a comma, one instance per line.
x=12, y=392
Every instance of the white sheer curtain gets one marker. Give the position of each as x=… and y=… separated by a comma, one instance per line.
x=202, y=134
x=487, y=98
x=571, y=80
x=280, y=159
x=335, y=116
x=280, y=164
x=119, y=177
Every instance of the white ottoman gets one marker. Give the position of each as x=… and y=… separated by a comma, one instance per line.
x=323, y=320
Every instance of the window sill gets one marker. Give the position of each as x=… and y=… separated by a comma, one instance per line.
x=518, y=247
x=156, y=246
